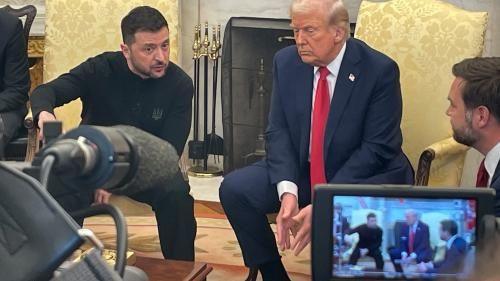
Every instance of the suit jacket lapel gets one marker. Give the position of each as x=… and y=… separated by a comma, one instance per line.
x=496, y=175
x=303, y=103
x=346, y=81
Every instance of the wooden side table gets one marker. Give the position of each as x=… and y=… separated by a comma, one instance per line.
x=171, y=270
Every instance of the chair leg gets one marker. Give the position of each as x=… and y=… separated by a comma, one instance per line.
x=252, y=274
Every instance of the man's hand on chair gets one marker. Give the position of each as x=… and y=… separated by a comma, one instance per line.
x=303, y=221
x=101, y=196
x=284, y=222
x=43, y=117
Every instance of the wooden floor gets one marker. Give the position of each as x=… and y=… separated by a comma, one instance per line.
x=208, y=209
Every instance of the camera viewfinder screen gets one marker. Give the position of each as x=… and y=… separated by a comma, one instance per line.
x=413, y=238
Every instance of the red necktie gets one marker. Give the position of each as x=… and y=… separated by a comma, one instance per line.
x=482, y=176
x=411, y=240
x=319, y=118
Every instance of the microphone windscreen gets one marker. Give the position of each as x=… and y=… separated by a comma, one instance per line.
x=157, y=160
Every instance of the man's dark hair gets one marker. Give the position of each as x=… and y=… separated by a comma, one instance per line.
x=370, y=215
x=142, y=18
x=449, y=226
x=482, y=83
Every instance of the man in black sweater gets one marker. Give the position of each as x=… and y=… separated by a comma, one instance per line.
x=139, y=87
x=14, y=77
x=370, y=239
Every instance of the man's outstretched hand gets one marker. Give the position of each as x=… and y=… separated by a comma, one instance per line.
x=43, y=117
x=303, y=221
x=284, y=222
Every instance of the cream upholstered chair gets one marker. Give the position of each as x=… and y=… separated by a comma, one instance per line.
x=425, y=38
x=79, y=29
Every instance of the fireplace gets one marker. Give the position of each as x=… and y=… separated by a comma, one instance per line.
x=247, y=58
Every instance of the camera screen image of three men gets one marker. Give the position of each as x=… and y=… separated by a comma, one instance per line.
x=411, y=236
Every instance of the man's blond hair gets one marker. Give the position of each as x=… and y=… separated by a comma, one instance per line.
x=336, y=12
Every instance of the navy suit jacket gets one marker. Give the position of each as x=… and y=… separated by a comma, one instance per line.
x=453, y=259
x=421, y=242
x=363, y=136
x=495, y=183
x=14, y=76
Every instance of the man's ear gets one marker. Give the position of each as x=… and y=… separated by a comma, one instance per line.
x=339, y=34
x=483, y=116
x=125, y=50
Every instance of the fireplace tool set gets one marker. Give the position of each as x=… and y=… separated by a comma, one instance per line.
x=200, y=147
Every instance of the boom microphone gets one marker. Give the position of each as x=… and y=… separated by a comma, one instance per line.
x=122, y=159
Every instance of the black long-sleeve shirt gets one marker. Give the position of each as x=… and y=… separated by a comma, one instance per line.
x=111, y=94
x=369, y=238
x=14, y=75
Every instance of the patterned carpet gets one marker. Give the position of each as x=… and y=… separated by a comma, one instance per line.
x=215, y=244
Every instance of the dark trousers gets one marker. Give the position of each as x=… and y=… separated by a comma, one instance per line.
x=247, y=196
x=174, y=210
x=375, y=254
x=10, y=122
x=395, y=254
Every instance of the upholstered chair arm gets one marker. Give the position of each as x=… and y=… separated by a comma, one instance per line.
x=440, y=154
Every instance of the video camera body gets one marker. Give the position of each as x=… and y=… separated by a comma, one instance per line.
x=120, y=159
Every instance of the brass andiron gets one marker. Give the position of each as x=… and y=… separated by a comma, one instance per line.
x=201, y=146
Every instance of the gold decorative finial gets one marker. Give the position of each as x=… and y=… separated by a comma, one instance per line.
x=196, y=43
x=206, y=42
x=214, y=50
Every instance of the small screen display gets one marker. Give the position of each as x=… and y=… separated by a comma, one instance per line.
x=389, y=237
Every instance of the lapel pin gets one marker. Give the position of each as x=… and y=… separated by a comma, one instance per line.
x=352, y=77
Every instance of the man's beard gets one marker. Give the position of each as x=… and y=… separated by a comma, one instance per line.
x=144, y=72
x=465, y=135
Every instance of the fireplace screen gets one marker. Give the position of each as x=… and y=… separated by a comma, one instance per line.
x=247, y=57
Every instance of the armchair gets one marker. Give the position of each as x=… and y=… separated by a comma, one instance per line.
x=425, y=38
x=28, y=11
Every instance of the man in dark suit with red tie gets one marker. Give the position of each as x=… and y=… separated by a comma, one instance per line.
x=474, y=113
x=414, y=243
x=334, y=118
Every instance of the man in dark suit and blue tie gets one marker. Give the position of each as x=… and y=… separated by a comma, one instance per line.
x=456, y=250
x=414, y=243
x=474, y=113
x=334, y=118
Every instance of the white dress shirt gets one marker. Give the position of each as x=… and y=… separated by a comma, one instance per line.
x=450, y=241
x=491, y=161
x=413, y=229
x=334, y=68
